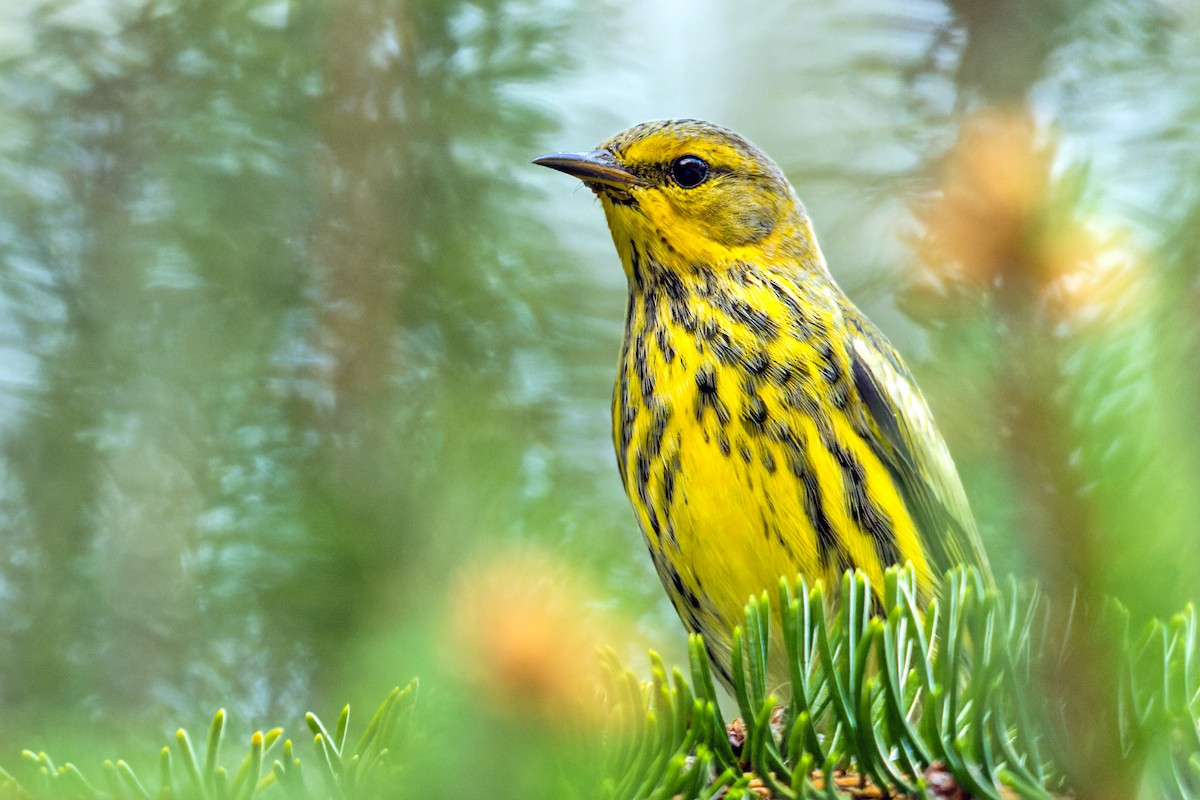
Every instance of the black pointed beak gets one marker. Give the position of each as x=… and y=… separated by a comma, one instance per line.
x=598, y=166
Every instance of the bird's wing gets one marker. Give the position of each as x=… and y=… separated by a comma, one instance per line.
x=909, y=444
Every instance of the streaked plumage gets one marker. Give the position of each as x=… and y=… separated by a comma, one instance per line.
x=763, y=426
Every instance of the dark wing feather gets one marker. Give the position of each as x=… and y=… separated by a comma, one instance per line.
x=908, y=442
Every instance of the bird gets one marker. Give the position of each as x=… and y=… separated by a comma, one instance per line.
x=763, y=426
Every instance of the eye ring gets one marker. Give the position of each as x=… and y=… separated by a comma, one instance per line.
x=689, y=171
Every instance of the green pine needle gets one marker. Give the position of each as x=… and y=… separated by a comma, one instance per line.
x=890, y=696
x=886, y=692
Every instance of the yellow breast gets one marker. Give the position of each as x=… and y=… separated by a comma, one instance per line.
x=740, y=444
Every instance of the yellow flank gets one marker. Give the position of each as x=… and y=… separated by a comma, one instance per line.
x=762, y=425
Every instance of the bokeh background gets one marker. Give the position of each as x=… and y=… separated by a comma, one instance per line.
x=305, y=370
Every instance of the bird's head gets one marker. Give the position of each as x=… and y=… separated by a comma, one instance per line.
x=694, y=194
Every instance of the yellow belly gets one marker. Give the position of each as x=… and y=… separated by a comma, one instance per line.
x=744, y=470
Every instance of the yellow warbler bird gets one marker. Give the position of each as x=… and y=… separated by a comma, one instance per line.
x=763, y=426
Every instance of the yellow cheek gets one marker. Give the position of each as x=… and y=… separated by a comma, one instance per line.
x=662, y=222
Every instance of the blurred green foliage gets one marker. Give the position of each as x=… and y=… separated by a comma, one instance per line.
x=270, y=288
x=289, y=343
x=920, y=702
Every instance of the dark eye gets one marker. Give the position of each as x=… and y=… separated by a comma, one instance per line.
x=689, y=171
